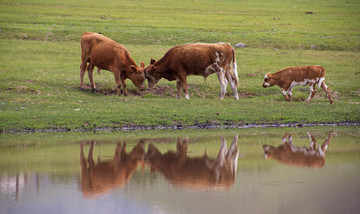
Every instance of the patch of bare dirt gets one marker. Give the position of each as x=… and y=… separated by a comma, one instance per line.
x=198, y=91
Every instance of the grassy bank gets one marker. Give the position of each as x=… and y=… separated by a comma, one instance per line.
x=39, y=72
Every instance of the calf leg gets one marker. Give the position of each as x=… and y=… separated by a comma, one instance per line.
x=232, y=85
x=312, y=93
x=325, y=145
x=284, y=92
x=326, y=89
x=223, y=84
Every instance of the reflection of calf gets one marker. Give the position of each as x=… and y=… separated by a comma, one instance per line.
x=107, y=175
x=306, y=157
x=198, y=172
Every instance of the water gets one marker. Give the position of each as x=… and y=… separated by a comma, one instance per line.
x=306, y=170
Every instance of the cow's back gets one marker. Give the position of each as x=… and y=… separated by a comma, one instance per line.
x=301, y=73
x=195, y=58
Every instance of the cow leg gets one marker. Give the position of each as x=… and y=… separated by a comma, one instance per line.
x=327, y=91
x=90, y=74
x=312, y=141
x=289, y=93
x=82, y=73
x=223, y=84
x=232, y=85
x=178, y=87
x=122, y=78
x=312, y=93
x=90, y=155
x=82, y=158
x=118, y=151
x=325, y=145
x=284, y=92
x=118, y=82
x=184, y=87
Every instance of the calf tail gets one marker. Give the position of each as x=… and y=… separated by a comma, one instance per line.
x=234, y=68
x=322, y=76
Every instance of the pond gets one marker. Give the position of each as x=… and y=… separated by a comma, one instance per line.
x=258, y=170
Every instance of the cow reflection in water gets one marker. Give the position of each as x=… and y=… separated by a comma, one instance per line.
x=196, y=172
x=299, y=156
x=102, y=177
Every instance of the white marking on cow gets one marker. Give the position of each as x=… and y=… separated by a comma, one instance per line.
x=187, y=96
x=266, y=76
x=290, y=71
x=283, y=92
x=321, y=81
x=311, y=91
x=217, y=57
x=267, y=84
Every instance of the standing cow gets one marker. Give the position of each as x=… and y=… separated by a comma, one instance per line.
x=196, y=172
x=290, y=77
x=97, y=179
x=104, y=53
x=299, y=156
x=195, y=59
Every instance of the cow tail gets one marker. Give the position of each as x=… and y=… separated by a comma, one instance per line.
x=234, y=68
x=322, y=76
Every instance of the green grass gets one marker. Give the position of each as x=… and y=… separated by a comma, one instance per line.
x=39, y=75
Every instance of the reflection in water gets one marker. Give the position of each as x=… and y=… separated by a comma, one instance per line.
x=198, y=172
x=104, y=176
x=299, y=156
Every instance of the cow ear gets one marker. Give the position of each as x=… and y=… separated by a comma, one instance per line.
x=133, y=68
x=153, y=69
x=142, y=64
x=152, y=61
x=268, y=75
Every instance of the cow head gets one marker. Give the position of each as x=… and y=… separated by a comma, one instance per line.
x=150, y=74
x=268, y=151
x=138, y=76
x=268, y=81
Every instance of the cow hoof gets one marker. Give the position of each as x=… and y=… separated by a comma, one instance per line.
x=331, y=102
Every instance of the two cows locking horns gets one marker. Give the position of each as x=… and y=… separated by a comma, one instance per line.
x=199, y=59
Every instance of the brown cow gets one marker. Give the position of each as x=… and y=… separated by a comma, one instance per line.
x=104, y=53
x=306, y=157
x=198, y=172
x=195, y=59
x=290, y=77
x=97, y=179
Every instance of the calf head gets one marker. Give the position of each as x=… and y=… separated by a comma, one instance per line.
x=138, y=76
x=150, y=75
x=268, y=81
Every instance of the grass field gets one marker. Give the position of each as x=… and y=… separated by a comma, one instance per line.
x=40, y=59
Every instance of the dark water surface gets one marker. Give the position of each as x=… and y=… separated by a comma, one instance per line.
x=291, y=170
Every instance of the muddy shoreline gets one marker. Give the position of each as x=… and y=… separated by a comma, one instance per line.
x=194, y=126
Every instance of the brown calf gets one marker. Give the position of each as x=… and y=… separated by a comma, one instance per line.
x=290, y=77
x=197, y=172
x=195, y=59
x=97, y=179
x=306, y=157
x=104, y=53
